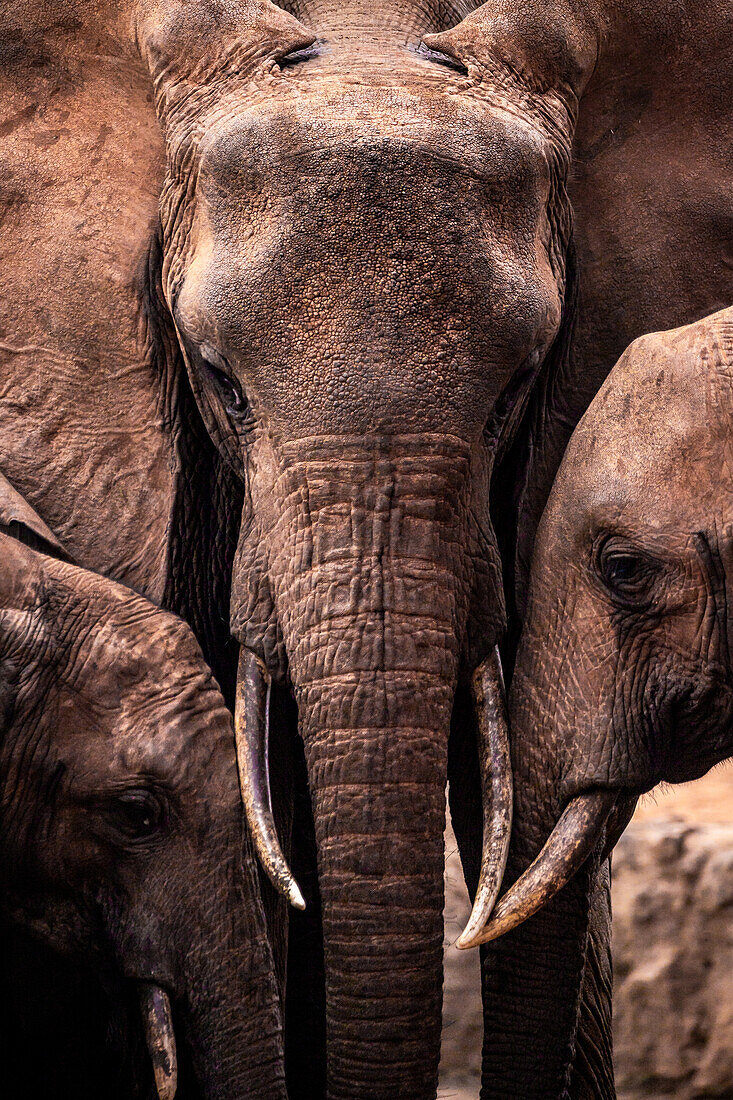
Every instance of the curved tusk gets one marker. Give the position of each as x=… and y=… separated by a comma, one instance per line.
x=496, y=791
x=155, y=1006
x=569, y=845
x=251, y=730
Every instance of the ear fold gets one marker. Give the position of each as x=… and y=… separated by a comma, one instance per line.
x=20, y=586
x=18, y=519
x=547, y=46
x=185, y=43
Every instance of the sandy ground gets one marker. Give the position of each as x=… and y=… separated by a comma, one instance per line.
x=707, y=801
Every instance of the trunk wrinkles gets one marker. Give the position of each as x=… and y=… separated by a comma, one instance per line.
x=373, y=599
x=232, y=1016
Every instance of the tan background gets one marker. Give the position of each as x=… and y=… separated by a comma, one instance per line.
x=673, y=952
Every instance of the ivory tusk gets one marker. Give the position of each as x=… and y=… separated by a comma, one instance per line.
x=496, y=791
x=251, y=730
x=569, y=845
x=155, y=1006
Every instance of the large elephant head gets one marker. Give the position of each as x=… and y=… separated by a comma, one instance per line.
x=363, y=252
x=121, y=832
x=623, y=676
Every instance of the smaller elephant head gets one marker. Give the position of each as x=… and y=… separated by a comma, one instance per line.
x=121, y=831
x=624, y=675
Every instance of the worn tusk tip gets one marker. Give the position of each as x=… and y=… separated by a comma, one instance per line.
x=165, y=1087
x=295, y=897
x=464, y=942
x=470, y=937
x=160, y=1038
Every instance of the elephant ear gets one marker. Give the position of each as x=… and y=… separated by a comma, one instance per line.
x=85, y=433
x=18, y=520
x=651, y=182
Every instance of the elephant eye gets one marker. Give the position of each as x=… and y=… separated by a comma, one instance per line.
x=297, y=57
x=622, y=569
x=627, y=573
x=136, y=815
x=437, y=57
x=229, y=389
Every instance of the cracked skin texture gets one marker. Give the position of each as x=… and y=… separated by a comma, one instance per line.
x=82, y=433
x=391, y=234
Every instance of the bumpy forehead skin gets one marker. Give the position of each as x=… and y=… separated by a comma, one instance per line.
x=132, y=691
x=655, y=449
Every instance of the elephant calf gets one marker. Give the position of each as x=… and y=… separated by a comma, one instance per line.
x=624, y=677
x=121, y=833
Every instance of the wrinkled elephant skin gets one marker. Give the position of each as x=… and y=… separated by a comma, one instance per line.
x=361, y=250
x=361, y=246
x=121, y=829
x=623, y=677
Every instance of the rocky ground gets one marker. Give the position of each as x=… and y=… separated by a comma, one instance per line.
x=673, y=953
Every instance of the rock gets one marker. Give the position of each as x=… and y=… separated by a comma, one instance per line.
x=673, y=958
x=673, y=953
x=460, y=1067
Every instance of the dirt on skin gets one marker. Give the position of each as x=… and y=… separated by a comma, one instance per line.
x=673, y=952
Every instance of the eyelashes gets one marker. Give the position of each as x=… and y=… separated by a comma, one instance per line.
x=227, y=385
x=628, y=574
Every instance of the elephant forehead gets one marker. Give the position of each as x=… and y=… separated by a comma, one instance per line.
x=176, y=739
x=656, y=444
x=346, y=119
x=368, y=263
x=137, y=703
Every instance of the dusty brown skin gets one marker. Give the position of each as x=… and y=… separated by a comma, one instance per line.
x=347, y=337
x=370, y=245
x=623, y=677
x=284, y=238
x=121, y=831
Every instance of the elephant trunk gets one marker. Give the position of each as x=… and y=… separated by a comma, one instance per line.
x=376, y=754
x=372, y=596
x=224, y=997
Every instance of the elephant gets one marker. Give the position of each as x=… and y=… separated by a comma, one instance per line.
x=623, y=677
x=122, y=841
x=315, y=329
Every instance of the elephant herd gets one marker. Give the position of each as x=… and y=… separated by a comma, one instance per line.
x=310, y=442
